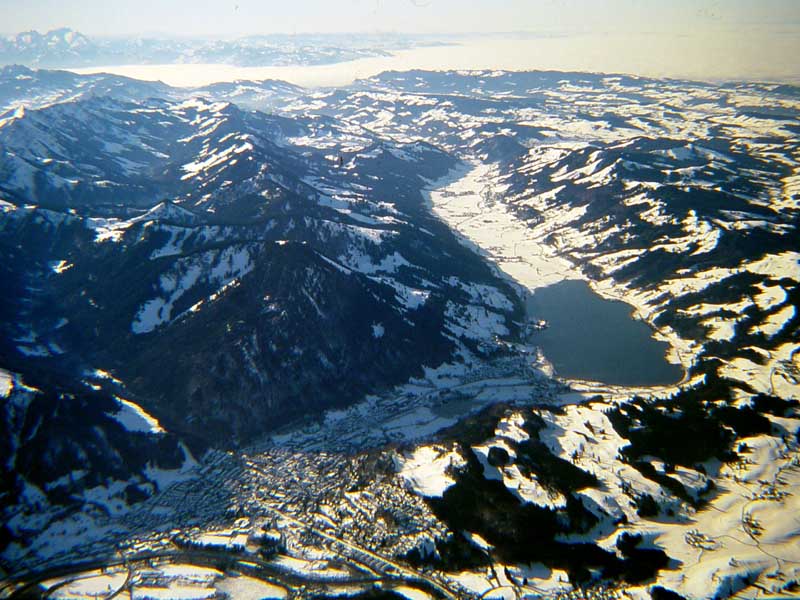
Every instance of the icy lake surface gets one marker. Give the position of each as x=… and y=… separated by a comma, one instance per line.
x=594, y=339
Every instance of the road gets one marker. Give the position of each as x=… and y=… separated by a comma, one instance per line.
x=21, y=586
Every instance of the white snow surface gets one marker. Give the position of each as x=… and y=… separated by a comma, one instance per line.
x=464, y=200
x=90, y=585
x=6, y=383
x=134, y=418
x=218, y=267
x=733, y=554
x=248, y=588
x=426, y=470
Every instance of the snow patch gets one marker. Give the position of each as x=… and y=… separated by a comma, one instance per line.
x=425, y=471
x=134, y=418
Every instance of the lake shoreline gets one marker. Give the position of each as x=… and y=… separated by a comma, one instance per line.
x=467, y=201
x=591, y=338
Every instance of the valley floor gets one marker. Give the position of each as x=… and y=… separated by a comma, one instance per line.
x=470, y=201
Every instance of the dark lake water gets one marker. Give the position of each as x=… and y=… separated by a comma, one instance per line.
x=597, y=339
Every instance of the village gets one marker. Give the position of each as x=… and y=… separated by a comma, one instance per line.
x=310, y=493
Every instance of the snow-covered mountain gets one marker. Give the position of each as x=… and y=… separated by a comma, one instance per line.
x=32, y=47
x=232, y=270
x=286, y=256
x=680, y=198
x=73, y=452
x=177, y=262
x=38, y=88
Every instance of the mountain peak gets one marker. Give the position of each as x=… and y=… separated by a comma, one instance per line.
x=12, y=115
x=58, y=40
x=9, y=71
x=69, y=36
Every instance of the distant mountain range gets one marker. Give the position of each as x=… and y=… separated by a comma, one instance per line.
x=62, y=48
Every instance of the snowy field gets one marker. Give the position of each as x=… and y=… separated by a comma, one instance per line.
x=467, y=201
x=170, y=581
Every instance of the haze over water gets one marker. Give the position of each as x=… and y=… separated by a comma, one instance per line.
x=757, y=53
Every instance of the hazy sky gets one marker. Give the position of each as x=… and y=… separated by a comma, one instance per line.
x=225, y=18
